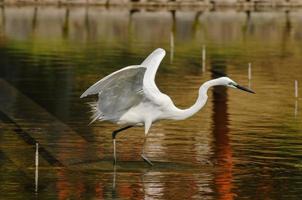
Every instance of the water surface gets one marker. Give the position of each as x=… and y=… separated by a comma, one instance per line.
x=239, y=146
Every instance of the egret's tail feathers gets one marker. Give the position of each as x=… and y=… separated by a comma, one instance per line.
x=96, y=112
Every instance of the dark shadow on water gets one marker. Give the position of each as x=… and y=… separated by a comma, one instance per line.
x=139, y=166
x=25, y=136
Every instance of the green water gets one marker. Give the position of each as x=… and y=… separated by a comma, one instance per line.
x=239, y=146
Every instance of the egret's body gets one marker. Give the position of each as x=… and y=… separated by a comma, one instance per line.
x=130, y=97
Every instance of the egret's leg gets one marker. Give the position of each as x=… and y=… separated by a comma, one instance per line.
x=114, y=133
x=114, y=151
x=143, y=154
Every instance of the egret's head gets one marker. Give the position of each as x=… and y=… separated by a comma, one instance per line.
x=226, y=81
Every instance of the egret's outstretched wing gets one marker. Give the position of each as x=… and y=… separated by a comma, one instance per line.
x=101, y=84
x=117, y=93
x=152, y=63
x=125, y=88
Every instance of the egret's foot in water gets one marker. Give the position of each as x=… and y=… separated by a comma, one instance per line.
x=147, y=160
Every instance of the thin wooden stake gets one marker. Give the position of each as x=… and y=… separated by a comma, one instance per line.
x=203, y=58
x=171, y=47
x=37, y=167
x=296, y=89
x=250, y=71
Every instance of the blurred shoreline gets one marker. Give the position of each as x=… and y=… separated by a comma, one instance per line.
x=166, y=4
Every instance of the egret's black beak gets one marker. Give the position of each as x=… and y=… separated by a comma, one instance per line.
x=244, y=89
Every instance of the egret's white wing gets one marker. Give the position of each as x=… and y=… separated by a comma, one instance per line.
x=117, y=93
x=101, y=84
x=152, y=63
x=125, y=88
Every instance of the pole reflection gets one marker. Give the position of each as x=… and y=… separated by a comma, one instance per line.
x=34, y=21
x=285, y=37
x=65, y=27
x=172, y=36
x=2, y=25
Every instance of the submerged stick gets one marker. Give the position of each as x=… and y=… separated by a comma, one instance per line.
x=296, y=108
x=37, y=167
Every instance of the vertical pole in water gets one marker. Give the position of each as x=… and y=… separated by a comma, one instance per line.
x=296, y=95
x=296, y=88
x=250, y=71
x=203, y=58
x=171, y=47
x=37, y=167
x=250, y=74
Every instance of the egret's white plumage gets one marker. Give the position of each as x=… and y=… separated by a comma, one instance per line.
x=130, y=96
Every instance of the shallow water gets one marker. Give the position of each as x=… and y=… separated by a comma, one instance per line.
x=239, y=146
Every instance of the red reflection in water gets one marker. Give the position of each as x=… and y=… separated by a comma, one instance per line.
x=63, y=186
x=130, y=190
x=68, y=186
x=223, y=150
x=99, y=191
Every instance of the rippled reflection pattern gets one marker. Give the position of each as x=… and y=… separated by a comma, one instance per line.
x=239, y=146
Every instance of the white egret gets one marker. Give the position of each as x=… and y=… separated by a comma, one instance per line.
x=130, y=97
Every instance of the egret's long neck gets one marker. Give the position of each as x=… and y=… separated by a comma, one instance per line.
x=200, y=102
